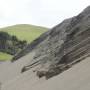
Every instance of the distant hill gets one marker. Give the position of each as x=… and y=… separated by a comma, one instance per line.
x=25, y=31
x=21, y=32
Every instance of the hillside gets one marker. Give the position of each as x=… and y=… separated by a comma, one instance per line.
x=21, y=32
x=10, y=45
x=57, y=60
x=25, y=31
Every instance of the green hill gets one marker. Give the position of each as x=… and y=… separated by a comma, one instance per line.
x=22, y=32
x=25, y=31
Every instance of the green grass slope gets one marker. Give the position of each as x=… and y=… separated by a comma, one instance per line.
x=25, y=31
x=4, y=56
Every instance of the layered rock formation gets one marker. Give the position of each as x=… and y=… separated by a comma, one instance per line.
x=61, y=47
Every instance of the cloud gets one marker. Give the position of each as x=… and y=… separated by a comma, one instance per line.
x=51, y=12
x=40, y=12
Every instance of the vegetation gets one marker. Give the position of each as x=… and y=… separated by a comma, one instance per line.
x=4, y=56
x=10, y=44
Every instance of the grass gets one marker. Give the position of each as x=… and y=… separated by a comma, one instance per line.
x=4, y=56
x=25, y=31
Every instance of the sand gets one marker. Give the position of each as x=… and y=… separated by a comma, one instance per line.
x=75, y=78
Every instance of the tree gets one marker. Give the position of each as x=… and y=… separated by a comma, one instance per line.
x=14, y=38
x=22, y=44
x=4, y=36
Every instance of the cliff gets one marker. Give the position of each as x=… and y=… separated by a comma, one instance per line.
x=61, y=47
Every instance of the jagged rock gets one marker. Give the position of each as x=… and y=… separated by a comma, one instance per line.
x=62, y=46
x=30, y=47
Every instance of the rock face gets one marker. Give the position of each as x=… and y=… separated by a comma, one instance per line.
x=61, y=47
x=30, y=47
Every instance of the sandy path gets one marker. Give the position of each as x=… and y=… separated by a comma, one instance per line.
x=76, y=78
x=9, y=70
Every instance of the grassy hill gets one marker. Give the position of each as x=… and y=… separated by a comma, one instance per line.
x=25, y=31
x=22, y=32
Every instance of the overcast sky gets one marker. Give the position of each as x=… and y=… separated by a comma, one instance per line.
x=39, y=12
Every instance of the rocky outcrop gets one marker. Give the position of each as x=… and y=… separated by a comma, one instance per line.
x=30, y=47
x=63, y=46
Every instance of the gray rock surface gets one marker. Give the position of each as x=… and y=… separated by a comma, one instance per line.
x=61, y=47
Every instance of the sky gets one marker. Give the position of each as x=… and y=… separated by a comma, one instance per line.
x=47, y=13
